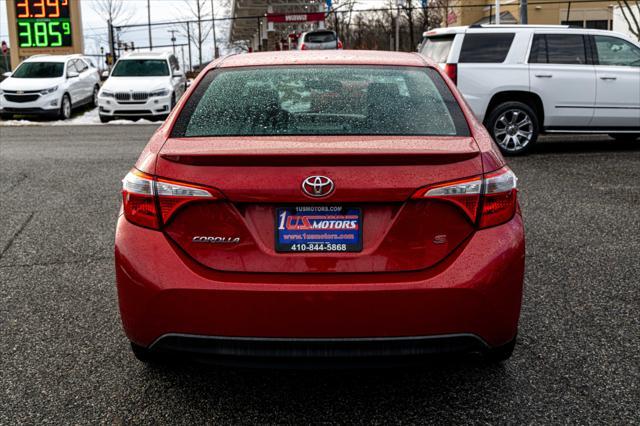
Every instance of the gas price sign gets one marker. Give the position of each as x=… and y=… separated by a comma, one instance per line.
x=51, y=27
x=43, y=23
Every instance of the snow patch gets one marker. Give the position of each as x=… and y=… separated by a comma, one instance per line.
x=87, y=118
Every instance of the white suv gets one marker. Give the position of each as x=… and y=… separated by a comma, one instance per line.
x=49, y=85
x=142, y=84
x=522, y=80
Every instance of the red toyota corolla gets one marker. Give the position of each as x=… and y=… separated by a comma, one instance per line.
x=320, y=205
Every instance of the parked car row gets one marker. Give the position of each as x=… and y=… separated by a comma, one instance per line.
x=140, y=85
x=50, y=85
x=524, y=80
x=520, y=81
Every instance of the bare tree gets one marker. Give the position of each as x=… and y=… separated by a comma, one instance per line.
x=433, y=14
x=113, y=11
x=631, y=14
x=199, y=11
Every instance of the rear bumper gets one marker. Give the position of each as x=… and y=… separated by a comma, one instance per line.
x=299, y=352
x=162, y=293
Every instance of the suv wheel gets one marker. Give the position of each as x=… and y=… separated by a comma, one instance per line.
x=65, y=108
x=514, y=127
x=625, y=137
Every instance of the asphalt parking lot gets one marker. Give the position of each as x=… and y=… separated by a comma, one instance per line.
x=64, y=357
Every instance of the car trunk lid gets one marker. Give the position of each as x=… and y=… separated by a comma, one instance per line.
x=377, y=175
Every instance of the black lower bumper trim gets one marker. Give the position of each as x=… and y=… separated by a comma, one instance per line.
x=293, y=348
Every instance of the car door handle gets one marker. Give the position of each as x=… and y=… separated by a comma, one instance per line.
x=608, y=77
x=544, y=75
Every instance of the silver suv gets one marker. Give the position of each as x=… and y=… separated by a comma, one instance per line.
x=523, y=80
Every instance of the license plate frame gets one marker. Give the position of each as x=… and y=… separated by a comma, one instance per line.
x=315, y=229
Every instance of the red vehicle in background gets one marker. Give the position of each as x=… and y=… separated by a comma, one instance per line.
x=260, y=223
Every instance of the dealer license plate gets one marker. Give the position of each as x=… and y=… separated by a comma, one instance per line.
x=307, y=229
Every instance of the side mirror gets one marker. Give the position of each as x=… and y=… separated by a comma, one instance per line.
x=7, y=74
x=72, y=74
x=178, y=73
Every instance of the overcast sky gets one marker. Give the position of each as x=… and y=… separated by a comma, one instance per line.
x=95, y=29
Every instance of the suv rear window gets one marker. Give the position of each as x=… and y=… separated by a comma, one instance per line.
x=437, y=48
x=558, y=49
x=320, y=37
x=485, y=48
x=321, y=100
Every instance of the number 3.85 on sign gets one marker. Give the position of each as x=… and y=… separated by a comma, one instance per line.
x=43, y=23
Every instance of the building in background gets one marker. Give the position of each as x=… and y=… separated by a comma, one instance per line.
x=274, y=24
x=597, y=15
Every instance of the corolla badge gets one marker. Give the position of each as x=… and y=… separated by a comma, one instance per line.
x=216, y=240
x=317, y=186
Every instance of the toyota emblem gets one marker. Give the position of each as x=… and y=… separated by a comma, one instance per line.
x=317, y=186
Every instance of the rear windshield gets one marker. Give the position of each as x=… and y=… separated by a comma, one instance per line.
x=39, y=70
x=437, y=48
x=320, y=37
x=141, y=68
x=321, y=100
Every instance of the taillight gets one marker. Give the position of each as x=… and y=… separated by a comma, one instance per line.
x=303, y=47
x=487, y=200
x=339, y=44
x=499, y=197
x=451, y=70
x=143, y=194
x=463, y=193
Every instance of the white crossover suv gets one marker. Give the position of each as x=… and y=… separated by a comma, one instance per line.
x=523, y=80
x=142, y=84
x=49, y=85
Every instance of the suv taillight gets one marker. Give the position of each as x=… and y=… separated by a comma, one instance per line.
x=339, y=44
x=451, y=70
x=150, y=201
x=303, y=47
x=487, y=200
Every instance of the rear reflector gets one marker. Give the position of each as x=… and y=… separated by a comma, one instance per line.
x=487, y=200
x=143, y=194
x=451, y=70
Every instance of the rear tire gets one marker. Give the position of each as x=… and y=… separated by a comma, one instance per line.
x=500, y=353
x=514, y=126
x=625, y=137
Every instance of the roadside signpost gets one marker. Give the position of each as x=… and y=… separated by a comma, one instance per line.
x=44, y=27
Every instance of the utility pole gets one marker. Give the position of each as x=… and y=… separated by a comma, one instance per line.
x=397, y=25
x=173, y=40
x=213, y=30
x=189, y=43
x=112, y=49
x=497, y=12
x=199, y=34
x=524, y=15
x=149, y=23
